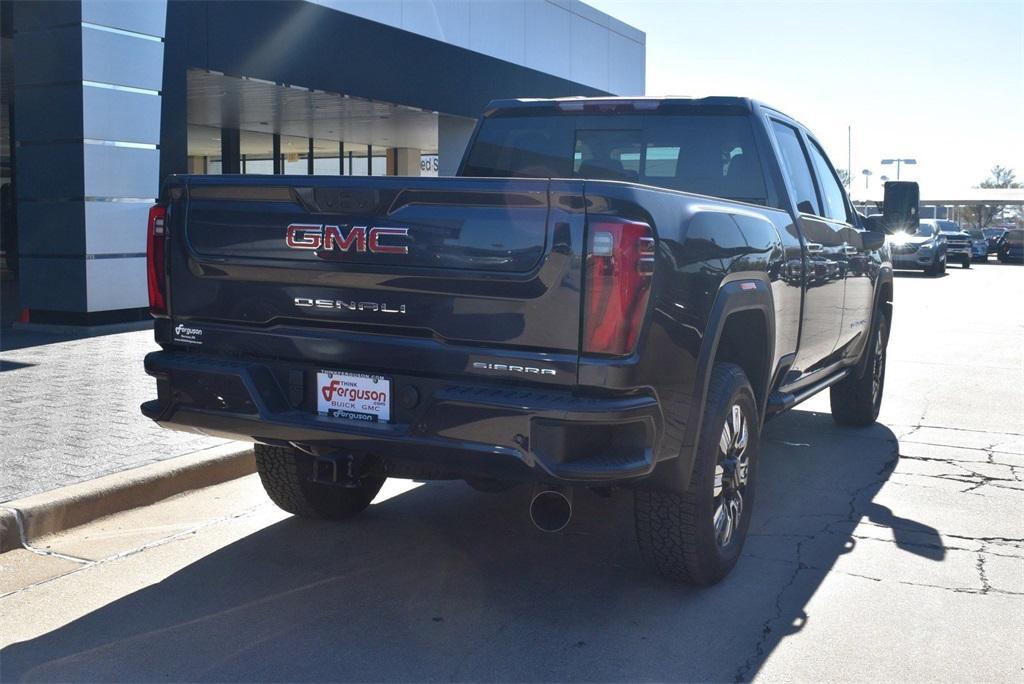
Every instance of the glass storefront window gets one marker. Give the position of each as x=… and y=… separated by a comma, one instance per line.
x=257, y=152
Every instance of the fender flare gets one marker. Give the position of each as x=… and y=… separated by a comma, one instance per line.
x=737, y=292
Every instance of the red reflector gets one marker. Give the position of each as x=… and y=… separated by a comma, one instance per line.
x=620, y=263
x=156, y=260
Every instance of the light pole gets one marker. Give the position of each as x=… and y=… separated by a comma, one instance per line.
x=867, y=174
x=898, y=163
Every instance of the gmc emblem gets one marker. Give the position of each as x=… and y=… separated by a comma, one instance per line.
x=316, y=236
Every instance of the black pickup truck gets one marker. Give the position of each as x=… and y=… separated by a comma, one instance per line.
x=613, y=293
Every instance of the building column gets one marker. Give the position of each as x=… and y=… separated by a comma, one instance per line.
x=403, y=161
x=453, y=134
x=87, y=107
x=230, y=150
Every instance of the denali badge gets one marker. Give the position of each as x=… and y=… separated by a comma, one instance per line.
x=380, y=307
x=316, y=236
x=512, y=368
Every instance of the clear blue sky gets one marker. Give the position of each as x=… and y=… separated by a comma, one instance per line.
x=942, y=82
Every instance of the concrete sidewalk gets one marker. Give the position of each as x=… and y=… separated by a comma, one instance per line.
x=69, y=411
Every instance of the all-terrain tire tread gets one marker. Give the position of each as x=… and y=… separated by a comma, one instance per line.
x=666, y=522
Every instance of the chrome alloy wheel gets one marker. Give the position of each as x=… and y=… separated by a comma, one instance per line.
x=731, y=473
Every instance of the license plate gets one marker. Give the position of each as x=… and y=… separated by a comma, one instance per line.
x=353, y=396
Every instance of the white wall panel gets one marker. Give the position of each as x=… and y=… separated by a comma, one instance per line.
x=382, y=11
x=565, y=38
x=116, y=227
x=141, y=16
x=496, y=29
x=598, y=17
x=444, y=20
x=625, y=65
x=116, y=284
x=548, y=48
x=589, y=53
x=120, y=115
x=121, y=171
x=122, y=60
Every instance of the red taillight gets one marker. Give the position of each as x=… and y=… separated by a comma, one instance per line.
x=620, y=264
x=156, y=265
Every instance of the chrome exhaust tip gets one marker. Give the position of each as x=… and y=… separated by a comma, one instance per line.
x=551, y=509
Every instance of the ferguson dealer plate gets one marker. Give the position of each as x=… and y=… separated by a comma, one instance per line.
x=353, y=396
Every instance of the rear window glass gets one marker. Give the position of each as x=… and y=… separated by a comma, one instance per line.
x=700, y=153
x=523, y=147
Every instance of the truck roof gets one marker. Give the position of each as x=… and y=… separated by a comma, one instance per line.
x=650, y=101
x=613, y=103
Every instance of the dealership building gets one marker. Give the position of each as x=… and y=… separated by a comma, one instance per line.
x=104, y=98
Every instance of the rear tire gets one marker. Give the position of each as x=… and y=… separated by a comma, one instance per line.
x=287, y=477
x=856, y=400
x=677, y=533
x=965, y=262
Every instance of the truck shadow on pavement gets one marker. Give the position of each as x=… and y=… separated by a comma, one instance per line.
x=445, y=583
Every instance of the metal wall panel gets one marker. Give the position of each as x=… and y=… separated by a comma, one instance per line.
x=589, y=52
x=119, y=172
x=444, y=20
x=115, y=227
x=120, y=59
x=51, y=229
x=509, y=30
x=120, y=115
x=148, y=16
x=546, y=35
x=626, y=60
x=54, y=284
x=497, y=29
x=116, y=284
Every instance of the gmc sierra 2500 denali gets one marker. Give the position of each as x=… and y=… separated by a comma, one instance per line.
x=613, y=292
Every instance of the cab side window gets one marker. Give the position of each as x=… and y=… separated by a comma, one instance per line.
x=796, y=168
x=831, y=191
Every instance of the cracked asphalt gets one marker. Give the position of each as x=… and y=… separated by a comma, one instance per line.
x=893, y=553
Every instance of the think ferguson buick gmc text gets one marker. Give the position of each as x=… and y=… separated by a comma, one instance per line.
x=613, y=293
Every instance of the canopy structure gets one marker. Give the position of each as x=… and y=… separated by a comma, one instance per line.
x=948, y=203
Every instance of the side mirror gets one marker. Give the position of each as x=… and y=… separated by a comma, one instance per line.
x=873, y=239
x=901, y=209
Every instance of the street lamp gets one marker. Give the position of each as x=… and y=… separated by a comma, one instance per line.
x=867, y=174
x=898, y=163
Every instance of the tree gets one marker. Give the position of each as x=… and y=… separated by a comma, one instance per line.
x=982, y=215
x=844, y=177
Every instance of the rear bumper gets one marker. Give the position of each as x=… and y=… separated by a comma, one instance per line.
x=461, y=429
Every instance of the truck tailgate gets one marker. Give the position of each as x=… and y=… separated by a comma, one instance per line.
x=486, y=265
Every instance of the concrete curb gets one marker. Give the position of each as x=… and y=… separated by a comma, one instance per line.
x=35, y=516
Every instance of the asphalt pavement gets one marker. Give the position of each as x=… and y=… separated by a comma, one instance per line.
x=892, y=553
